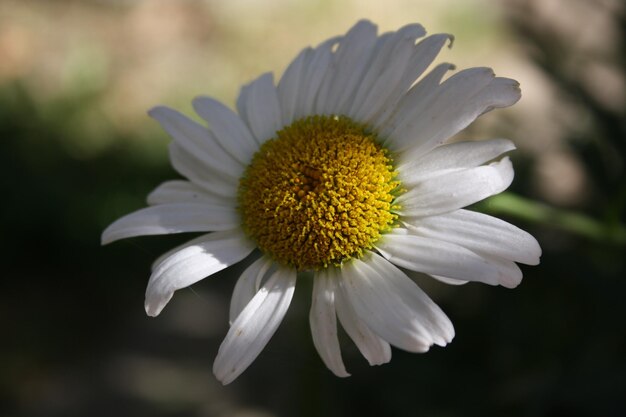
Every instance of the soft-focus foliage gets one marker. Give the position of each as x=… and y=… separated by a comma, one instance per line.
x=77, y=151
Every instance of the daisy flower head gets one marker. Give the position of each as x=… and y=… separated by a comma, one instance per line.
x=339, y=170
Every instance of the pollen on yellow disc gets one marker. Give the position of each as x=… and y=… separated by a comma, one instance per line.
x=319, y=193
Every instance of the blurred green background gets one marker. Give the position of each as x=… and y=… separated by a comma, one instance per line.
x=77, y=151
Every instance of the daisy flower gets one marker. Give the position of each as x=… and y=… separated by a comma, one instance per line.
x=338, y=173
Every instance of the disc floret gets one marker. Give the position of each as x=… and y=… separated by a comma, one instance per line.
x=318, y=193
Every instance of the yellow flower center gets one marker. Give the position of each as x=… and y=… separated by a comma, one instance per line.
x=319, y=193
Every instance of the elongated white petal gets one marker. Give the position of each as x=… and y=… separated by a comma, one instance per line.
x=481, y=233
x=172, y=218
x=349, y=65
x=437, y=257
x=376, y=94
x=452, y=112
x=193, y=168
x=423, y=55
x=501, y=92
x=193, y=263
x=374, y=349
x=192, y=242
x=324, y=323
x=197, y=140
x=195, y=154
x=248, y=285
x=379, y=308
x=417, y=97
x=254, y=327
x=381, y=51
x=290, y=87
x=231, y=132
x=178, y=191
x=318, y=66
x=456, y=189
x=431, y=317
x=388, y=73
x=447, y=110
x=393, y=306
x=385, y=95
x=454, y=156
x=258, y=105
x=449, y=281
x=414, y=275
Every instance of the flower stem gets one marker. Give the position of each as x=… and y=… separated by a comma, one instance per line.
x=512, y=205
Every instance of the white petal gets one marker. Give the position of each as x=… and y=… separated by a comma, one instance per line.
x=348, y=67
x=385, y=73
x=375, y=95
x=454, y=156
x=290, y=87
x=432, y=318
x=456, y=189
x=481, y=233
x=451, y=112
x=436, y=257
x=248, y=285
x=501, y=92
x=417, y=97
x=393, y=306
x=424, y=54
x=178, y=248
x=402, y=69
x=254, y=327
x=374, y=349
x=414, y=275
x=324, y=323
x=258, y=105
x=193, y=168
x=178, y=191
x=197, y=140
x=228, y=128
x=172, y=218
x=316, y=69
x=449, y=281
x=441, y=114
x=383, y=48
x=193, y=263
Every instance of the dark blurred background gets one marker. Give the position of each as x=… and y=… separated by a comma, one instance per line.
x=77, y=151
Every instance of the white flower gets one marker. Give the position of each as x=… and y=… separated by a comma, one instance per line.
x=339, y=170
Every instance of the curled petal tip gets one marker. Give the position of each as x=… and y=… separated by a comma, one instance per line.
x=450, y=41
